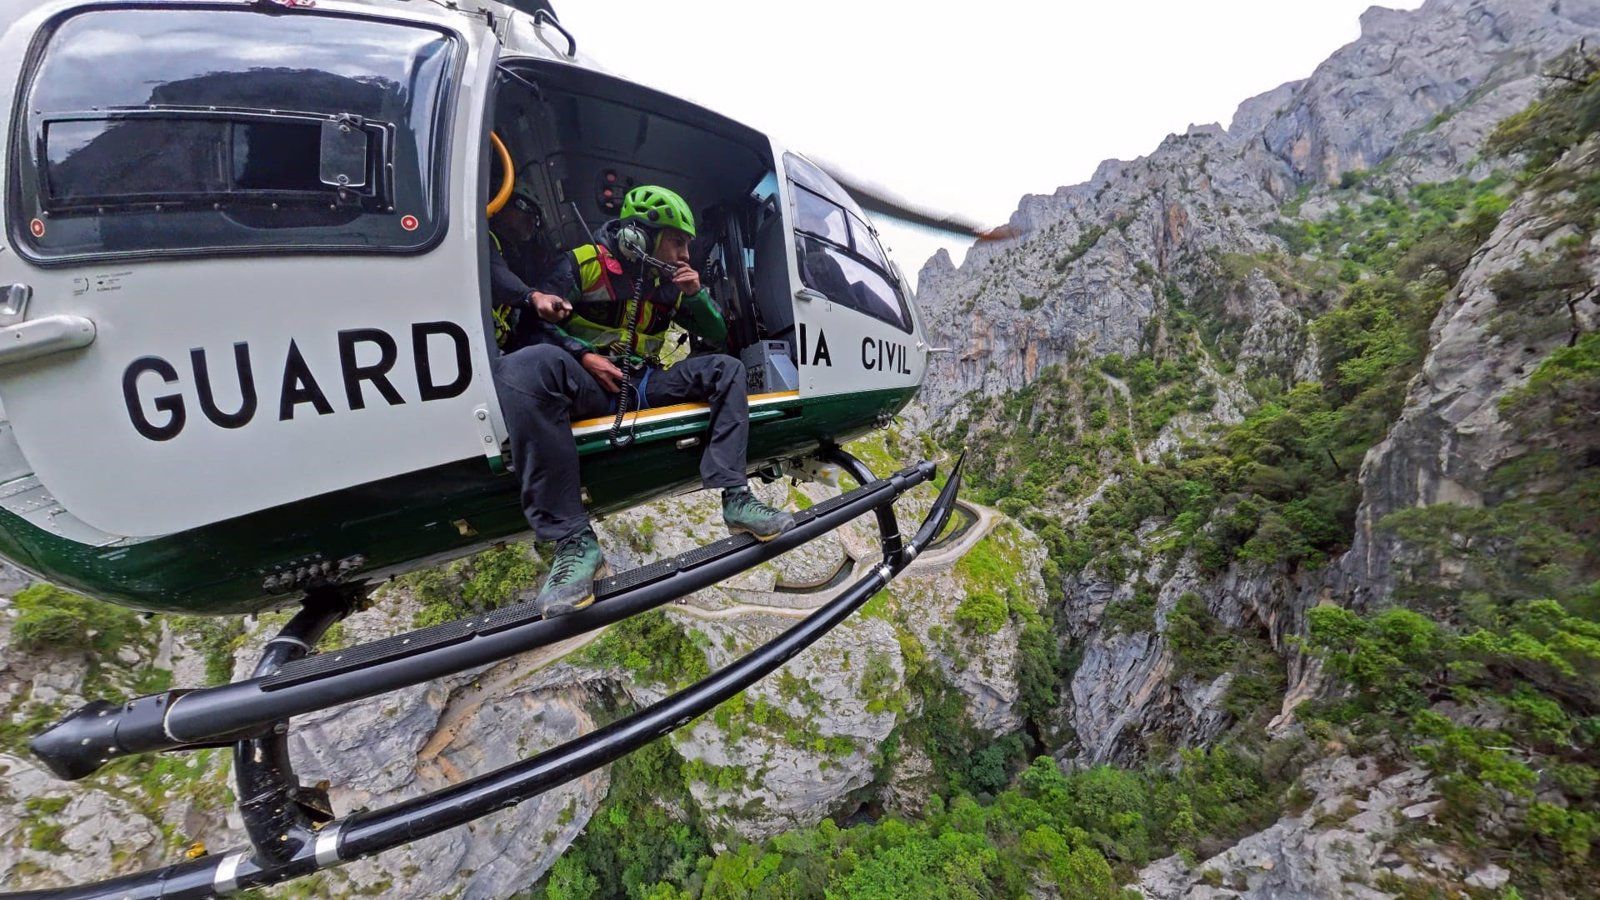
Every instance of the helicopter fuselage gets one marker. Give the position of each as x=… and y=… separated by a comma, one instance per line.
x=244, y=343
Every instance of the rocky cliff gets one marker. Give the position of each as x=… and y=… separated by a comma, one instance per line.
x=1224, y=277
x=1410, y=100
x=813, y=740
x=1196, y=225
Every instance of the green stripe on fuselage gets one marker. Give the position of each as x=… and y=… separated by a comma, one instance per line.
x=410, y=519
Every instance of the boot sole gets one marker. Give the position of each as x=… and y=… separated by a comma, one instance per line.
x=732, y=529
x=562, y=609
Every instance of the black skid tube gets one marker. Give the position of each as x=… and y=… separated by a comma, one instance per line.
x=366, y=833
x=99, y=732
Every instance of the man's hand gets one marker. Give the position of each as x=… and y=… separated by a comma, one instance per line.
x=687, y=279
x=603, y=370
x=550, y=307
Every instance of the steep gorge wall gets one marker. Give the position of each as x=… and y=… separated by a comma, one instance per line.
x=1098, y=268
x=1414, y=96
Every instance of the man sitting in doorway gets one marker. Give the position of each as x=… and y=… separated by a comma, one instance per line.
x=579, y=372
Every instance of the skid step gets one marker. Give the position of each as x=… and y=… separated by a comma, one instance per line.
x=95, y=734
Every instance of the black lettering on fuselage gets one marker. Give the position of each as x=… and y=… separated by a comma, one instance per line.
x=823, y=357
x=377, y=373
x=171, y=404
x=298, y=385
x=885, y=356
x=247, y=387
x=432, y=390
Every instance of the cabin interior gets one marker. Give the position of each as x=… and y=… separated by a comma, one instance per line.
x=580, y=141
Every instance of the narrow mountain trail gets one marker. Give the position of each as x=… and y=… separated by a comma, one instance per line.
x=798, y=606
x=465, y=703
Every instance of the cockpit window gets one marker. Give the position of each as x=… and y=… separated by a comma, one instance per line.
x=865, y=243
x=838, y=253
x=806, y=174
x=817, y=216
x=849, y=281
x=153, y=131
x=127, y=162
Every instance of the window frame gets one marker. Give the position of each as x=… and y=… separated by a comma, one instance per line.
x=879, y=259
x=378, y=192
x=905, y=322
x=26, y=146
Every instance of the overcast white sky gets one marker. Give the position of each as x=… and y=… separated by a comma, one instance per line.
x=966, y=107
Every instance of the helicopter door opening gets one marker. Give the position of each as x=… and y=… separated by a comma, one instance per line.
x=580, y=140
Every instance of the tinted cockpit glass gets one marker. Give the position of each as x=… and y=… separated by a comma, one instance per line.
x=865, y=243
x=849, y=282
x=838, y=254
x=803, y=172
x=173, y=130
x=817, y=216
x=104, y=162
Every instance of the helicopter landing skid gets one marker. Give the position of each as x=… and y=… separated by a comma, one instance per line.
x=291, y=828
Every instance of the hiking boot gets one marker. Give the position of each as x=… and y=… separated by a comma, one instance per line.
x=570, y=584
x=743, y=512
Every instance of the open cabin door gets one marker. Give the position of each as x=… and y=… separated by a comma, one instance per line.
x=268, y=274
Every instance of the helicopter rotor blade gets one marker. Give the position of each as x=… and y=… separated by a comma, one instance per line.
x=877, y=199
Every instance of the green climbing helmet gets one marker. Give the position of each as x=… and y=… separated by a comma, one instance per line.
x=657, y=207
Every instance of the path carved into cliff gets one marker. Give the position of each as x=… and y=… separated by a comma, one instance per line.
x=465, y=703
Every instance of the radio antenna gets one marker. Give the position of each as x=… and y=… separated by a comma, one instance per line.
x=579, y=216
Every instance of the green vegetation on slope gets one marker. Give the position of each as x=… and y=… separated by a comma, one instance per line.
x=1502, y=598
x=1280, y=487
x=1487, y=670
x=1083, y=833
x=992, y=572
x=51, y=618
x=642, y=841
x=478, y=583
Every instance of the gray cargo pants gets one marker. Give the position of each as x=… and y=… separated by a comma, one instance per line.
x=543, y=389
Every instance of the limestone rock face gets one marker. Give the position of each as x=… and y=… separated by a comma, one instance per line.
x=1449, y=439
x=1125, y=688
x=1452, y=433
x=1414, y=95
x=373, y=754
x=1336, y=847
x=1415, y=70
x=1410, y=101
x=830, y=737
x=66, y=836
x=427, y=738
x=55, y=833
x=808, y=741
x=1063, y=286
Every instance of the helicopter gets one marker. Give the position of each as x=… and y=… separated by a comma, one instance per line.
x=245, y=361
